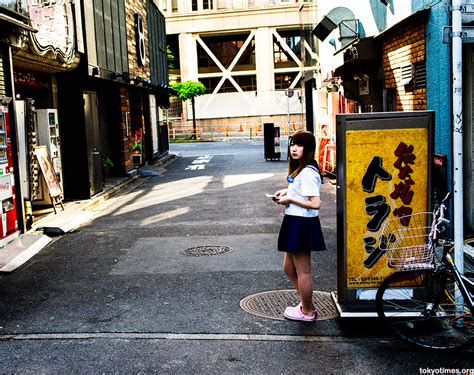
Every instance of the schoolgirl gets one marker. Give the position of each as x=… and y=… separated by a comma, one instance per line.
x=300, y=232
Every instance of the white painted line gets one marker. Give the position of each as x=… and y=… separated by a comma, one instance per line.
x=194, y=167
x=175, y=336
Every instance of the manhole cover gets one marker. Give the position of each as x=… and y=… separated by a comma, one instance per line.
x=201, y=251
x=272, y=304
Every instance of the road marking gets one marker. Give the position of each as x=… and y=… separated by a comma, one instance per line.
x=199, y=163
x=194, y=167
x=180, y=336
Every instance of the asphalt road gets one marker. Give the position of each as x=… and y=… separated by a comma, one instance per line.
x=119, y=296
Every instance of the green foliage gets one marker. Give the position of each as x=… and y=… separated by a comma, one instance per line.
x=106, y=162
x=170, y=56
x=189, y=89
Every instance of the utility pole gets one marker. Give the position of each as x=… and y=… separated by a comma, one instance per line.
x=289, y=93
x=457, y=130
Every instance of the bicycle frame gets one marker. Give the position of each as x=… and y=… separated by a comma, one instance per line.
x=466, y=286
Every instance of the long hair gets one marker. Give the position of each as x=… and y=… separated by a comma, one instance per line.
x=306, y=139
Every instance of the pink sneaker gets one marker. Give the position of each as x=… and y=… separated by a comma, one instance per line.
x=315, y=310
x=296, y=313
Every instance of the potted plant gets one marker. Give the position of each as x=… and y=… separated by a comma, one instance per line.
x=136, y=148
x=107, y=166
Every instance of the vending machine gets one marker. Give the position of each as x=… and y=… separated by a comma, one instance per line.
x=9, y=221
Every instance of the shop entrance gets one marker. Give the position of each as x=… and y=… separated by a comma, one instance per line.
x=96, y=180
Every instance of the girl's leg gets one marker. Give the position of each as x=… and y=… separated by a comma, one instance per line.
x=302, y=264
x=290, y=271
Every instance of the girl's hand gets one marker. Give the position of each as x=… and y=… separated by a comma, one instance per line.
x=280, y=193
x=284, y=200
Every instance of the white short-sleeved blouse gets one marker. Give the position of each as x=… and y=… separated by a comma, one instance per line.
x=306, y=184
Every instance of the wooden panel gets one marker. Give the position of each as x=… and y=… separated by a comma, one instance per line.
x=109, y=38
x=99, y=33
x=157, y=44
x=89, y=28
x=117, y=63
x=123, y=35
x=110, y=35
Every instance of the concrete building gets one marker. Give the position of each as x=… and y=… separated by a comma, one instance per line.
x=247, y=53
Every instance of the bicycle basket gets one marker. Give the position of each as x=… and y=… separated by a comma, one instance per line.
x=406, y=241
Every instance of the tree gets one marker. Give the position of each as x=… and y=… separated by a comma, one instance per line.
x=170, y=56
x=189, y=90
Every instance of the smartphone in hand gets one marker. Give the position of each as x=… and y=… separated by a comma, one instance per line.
x=275, y=199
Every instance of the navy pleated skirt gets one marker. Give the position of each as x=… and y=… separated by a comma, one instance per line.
x=299, y=233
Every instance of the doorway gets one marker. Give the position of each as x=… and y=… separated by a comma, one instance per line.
x=96, y=180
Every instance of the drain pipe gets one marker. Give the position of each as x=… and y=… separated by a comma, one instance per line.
x=457, y=119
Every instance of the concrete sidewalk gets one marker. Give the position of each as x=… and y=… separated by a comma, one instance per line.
x=76, y=213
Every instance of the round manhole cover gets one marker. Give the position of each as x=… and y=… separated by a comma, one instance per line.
x=272, y=304
x=201, y=251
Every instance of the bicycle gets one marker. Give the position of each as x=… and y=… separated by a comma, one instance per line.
x=419, y=302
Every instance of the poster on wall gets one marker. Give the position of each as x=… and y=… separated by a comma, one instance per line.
x=154, y=124
x=384, y=166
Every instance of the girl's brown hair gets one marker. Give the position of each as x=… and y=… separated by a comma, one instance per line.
x=306, y=139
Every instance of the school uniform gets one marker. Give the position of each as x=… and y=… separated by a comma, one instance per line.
x=301, y=229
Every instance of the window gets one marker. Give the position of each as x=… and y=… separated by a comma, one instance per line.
x=174, y=6
x=246, y=83
x=207, y=4
x=225, y=48
x=164, y=5
x=284, y=80
x=43, y=3
x=211, y=84
x=281, y=57
x=194, y=5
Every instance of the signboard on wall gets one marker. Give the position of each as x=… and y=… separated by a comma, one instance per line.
x=154, y=124
x=383, y=172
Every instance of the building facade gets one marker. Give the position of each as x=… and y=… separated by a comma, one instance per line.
x=114, y=94
x=393, y=56
x=82, y=84
x=248, y=54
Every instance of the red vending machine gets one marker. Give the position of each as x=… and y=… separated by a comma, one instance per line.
x=9, y=220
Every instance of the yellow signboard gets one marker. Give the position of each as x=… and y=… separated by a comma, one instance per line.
x=386, y=177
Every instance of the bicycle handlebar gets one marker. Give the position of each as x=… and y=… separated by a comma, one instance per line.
x=447, y=197
x=439, y=218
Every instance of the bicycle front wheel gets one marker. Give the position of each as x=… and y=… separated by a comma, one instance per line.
x=416, y=308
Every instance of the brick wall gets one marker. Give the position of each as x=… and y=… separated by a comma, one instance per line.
x=403, y=46
x=131, y=8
